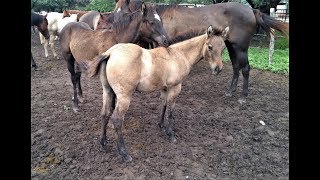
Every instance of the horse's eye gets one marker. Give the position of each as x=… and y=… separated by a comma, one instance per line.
x=151, y=22
x=210, y=47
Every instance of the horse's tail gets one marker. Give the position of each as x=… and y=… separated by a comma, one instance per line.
x=267, y=22
x=92, y=68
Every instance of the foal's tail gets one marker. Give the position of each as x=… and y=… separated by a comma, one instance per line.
x=267, y=22
x=94, y=65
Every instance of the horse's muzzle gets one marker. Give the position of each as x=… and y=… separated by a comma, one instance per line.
x=216, y=70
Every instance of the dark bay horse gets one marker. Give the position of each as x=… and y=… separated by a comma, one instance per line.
x=242, y=20
x=41, y=23
x=127, y=67
x=79, y=42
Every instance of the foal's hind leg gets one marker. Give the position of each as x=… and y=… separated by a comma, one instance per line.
x=107, y=106
x=70, y=63
x=78, y=77
x=173, y=93
x=122, y=105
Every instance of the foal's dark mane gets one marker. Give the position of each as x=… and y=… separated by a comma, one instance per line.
x=125, y=20
x=190, y=34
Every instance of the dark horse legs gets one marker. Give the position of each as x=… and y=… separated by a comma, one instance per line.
x=239, y=59
x=33, y=63
x=75, y=78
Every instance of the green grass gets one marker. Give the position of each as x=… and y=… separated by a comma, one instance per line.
x=259, y=59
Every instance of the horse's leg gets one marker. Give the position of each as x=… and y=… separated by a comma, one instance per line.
x=78, y=79
x=164, y=94
x=107, y=105
x=173, y=93
x=45, y=43
x=33, y=63
x=117, y=117
x=235, y=66
x=70, y=64
x=52, y=46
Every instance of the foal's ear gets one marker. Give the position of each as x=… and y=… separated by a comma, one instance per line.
x=225, y=32
x=210, y=30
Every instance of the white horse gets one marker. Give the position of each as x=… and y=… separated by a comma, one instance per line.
x=56, y=22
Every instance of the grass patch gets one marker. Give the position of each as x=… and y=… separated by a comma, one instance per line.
x=259, y=59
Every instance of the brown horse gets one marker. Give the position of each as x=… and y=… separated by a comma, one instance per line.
x=42, y=25
x=242, y=20
x=79, y=42
x=95, y=18
x=126, y=67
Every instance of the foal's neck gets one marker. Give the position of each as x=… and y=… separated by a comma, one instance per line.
x=192, y=49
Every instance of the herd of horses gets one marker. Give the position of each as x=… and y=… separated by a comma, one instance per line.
x=142, y=46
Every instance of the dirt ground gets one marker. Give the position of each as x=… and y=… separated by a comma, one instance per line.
x=217, y=137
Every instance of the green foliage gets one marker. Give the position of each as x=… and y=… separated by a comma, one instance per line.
x=101, y=5
x=281, y=43
x=259, y=59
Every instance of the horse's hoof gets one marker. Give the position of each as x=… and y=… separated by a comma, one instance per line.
x=103, y=146
x=173, y=139
x=110, y=125
x=242, y=100
x=160, y=125
x=75, y=109
x=127, y=158
x=228, y=94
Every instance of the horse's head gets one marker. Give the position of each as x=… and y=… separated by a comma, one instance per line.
x=214, y=47
x=152, y=29
x=105, y=21
x=43, y=26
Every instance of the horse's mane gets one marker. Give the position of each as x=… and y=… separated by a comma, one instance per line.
x=124, y=21
x=161, y=8
x=190, y=34
x=36, y=18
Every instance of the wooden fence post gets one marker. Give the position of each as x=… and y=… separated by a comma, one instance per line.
x=271, y=45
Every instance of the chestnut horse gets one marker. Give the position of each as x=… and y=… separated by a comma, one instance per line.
x=79, y=42
x=242, y=20
x=42, y=25
x=126, y=68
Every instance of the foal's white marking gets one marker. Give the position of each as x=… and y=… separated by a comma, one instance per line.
x=119, y=10
x=157, y=17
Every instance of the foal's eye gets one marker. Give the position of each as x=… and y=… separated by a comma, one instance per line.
x=210, y=47
x=151, y=22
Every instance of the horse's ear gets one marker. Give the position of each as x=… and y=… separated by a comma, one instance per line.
x=101, y=16
x=210, y=30
x=143, y=8
x=116, y=1
x=127, y=1
x=225, y=32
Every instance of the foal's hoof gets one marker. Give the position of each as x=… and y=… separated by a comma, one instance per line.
x=75, y=109
x=103, y=146
x=173, y=139
x=160, y=125
x=228, y=94
x=110, y=125
x=242, y=100
x=127, y=158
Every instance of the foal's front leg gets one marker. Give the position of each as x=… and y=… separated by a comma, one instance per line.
x=173, y=93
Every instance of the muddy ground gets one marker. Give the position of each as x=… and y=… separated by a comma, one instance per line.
x=217, y=137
